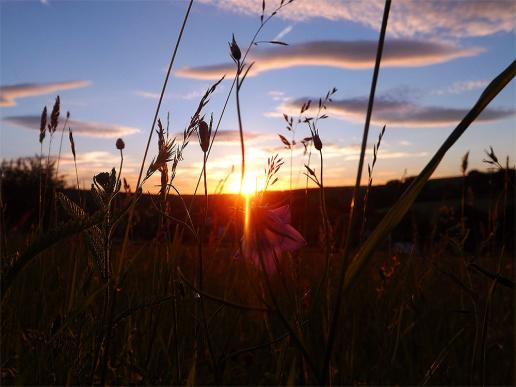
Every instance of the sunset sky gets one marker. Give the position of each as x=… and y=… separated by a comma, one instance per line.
x=107, y=61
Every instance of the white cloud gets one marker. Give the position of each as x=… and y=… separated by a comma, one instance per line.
x=146, y=94
x=461, y=86
x=278, y=96
x=79, y=128
x=9, y=94
x=407, y=18
x=341, y=54
x=283, y=32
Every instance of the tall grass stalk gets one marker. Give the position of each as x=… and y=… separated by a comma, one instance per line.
x=213, y=359
x=61, y=143
x=151, y=131
x=140, y=173
x=263, y=23
x=240, y=125
x=400, y=208
x=72, y=146
x=347, y=241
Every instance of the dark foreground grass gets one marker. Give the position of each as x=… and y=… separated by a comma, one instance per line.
x=421, y=311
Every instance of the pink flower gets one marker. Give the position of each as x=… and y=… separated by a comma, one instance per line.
x=268, y=233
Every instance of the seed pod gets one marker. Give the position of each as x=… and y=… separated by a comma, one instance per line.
x=204, y=136
x=236, y=54
x=120, y=144
x=317, y=142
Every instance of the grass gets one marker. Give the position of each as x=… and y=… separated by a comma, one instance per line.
x=111, y=287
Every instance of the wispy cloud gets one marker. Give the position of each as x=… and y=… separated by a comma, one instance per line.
x=397, y=112
x=146, y=94
x=461, y=86
x=9, y=94
x=283, y=32
x=195, y=94
x=341, y=54
x=408, y=18
x=277, y=95
x=230, y=137
x=346, y=152
x=79, y=128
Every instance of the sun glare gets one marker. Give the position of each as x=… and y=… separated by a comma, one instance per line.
x=250, y=186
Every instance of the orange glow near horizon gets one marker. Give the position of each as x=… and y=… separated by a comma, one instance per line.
x=250, y=186
x=247, y=215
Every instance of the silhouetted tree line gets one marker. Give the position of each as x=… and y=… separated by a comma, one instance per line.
x=489, y=199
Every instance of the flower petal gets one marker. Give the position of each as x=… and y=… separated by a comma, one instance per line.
x=282, y=214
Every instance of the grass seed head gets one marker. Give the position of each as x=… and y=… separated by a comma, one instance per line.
x=464, y=166
x=236, y=54
x=43, y=124
x=72, y=142
x=317, y=142
x=54, y=116
x=204, y=135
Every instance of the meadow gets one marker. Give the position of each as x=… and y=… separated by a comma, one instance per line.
x=409, y=282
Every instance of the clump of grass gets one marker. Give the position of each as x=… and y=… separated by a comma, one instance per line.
x=370, y=170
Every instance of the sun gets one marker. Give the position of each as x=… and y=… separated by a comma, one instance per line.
x=250, y=186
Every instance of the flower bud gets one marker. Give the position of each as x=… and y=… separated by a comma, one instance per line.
x=120, y=144
x=317, y=142
x=235, y=50
x=204, y=136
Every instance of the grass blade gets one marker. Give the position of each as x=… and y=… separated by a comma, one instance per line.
x=442, y=355
x=400, y=208
x=352, y=214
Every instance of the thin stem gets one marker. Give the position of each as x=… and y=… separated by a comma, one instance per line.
x=327, y=237
x=131, y=211
x=60, y=146
x=240, y=127
x=351, y=221
x=76, y=173
x=253, y=40
x=201, y=270
x=293, y=334
x=40, y=183
x=47, y=182
x=133, y=203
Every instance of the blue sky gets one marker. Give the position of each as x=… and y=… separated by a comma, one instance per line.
x=107, y=61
